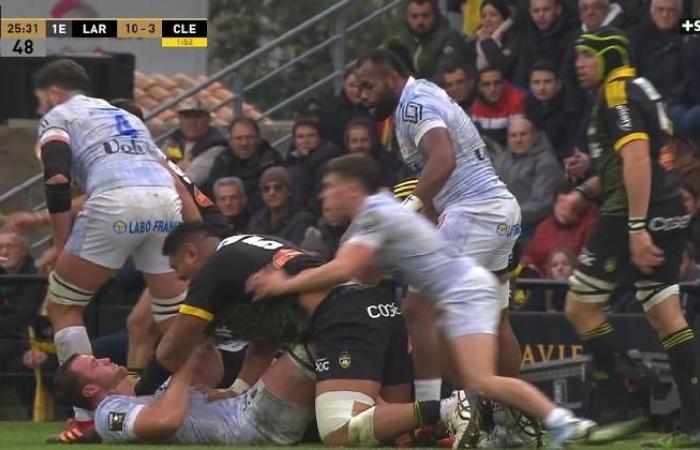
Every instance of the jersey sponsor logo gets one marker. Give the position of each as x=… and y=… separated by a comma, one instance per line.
x=144, y=226
x=115, y=421
x=669, y=223
x=384, y=310
x=624, y=120
x=132, y=147
x=412, y=112
x=505, y=230
x=667, y=158
x=283, y=256
x=586, y=258
x=322, y=365
x=344, y=360
x=250, y=239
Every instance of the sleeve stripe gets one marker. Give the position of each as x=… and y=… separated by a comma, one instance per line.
x=624, y=140
x=54, y=134
x=197, y=312
x=426, y=126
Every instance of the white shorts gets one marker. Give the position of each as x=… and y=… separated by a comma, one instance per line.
x=472, y=307
x=125, y=222
x=485, y=231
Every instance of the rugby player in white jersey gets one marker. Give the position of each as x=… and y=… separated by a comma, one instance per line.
x=459, y=189
x=131, y=204
x=385, y=234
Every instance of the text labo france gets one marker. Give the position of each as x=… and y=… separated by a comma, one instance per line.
x=132, y=147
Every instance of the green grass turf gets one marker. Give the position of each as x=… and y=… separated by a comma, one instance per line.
x=31, y=436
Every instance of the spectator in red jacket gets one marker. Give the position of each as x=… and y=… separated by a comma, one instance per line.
x=497, y=104
x=568, y=227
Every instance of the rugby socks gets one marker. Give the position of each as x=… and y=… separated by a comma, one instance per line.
x=601, y=345
x=557, y=418
x=69, y=341
x=680, y=347
x=428, y=389
x=153, y=376
x=134, y=372
x=427, y=413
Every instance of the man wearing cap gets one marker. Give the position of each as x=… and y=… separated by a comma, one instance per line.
x=196, y=144
x=639, y=237
x=277, y=218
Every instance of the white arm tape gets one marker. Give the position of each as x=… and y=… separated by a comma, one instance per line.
x=413, y=202
x=239, y=386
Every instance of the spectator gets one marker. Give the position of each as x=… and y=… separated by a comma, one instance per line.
x=495, y=42
x=568, y=227
x=229, y=196
x=685, y=106
x=656, y=48
x=689, y=272
x=545, y=107
x=248, y=157
x=595, y=14
x=550, y=36
x=336, y=114
x=305, y=162
x=560, y=265
x=324, y=238
x=496, y=105
x=430, y=39
x=530, y=171
x=691, y=200
x=277, y=218
x=459, y=82
x=361, y=137
x=196, y=144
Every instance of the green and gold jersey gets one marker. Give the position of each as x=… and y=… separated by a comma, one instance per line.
x=626, y=109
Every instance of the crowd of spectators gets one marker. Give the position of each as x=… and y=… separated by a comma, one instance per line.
x=510, y=65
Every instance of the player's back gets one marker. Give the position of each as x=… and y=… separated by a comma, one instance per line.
x=410, y=245
x=111, y=148
x=424, y=106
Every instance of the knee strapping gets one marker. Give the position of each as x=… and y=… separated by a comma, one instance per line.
x=165, y=308
x=334, y=410
x=652, y=293
x=589, y=289
x=61, y=292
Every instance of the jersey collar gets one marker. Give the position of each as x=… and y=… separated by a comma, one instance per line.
x=621, y=72
x=409, y=82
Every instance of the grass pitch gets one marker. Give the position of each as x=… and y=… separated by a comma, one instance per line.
x=31, y=436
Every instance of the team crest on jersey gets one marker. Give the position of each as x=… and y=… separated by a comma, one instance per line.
x=345, y=360
x=119, y=227
x=115, y=421
x=667, y=158
x=412, y=112
x=610, y=265
x=283, y=256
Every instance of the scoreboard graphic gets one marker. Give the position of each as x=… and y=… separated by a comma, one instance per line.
x=27, y=38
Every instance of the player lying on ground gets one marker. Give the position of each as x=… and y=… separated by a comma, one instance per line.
x=275, y=411
x=385, y=233
x=358, y=336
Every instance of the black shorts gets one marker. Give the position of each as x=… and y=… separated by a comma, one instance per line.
x=606, y=254
x=358, y=333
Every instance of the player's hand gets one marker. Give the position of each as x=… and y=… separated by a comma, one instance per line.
x=34, y=358
x=643, y=253
x=47, y=260
x=212, y=394
x=576, y=165
x=268, y=282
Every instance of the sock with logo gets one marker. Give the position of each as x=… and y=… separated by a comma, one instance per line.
x=427, y=413
x=680, y=348
x=135, y=372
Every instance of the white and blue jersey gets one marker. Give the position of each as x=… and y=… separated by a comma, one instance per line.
x=424, y=106
x=110, y=147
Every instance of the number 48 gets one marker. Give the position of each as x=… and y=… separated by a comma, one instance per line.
x=22, y=47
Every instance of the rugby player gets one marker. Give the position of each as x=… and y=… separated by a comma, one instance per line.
x=640, y=235
x=357, y=335
x=458, y=187
x=131, y=202
x=385, y=233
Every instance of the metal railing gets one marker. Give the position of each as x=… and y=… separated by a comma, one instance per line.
x=236, y=79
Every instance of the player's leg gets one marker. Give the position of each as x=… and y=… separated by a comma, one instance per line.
x=660, y=301
x=419, y=314
x=143, y=334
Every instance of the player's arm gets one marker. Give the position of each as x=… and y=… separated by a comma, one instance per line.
x=636, y=170
x=56, y=158
x=440, y=160
x=165, y=415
